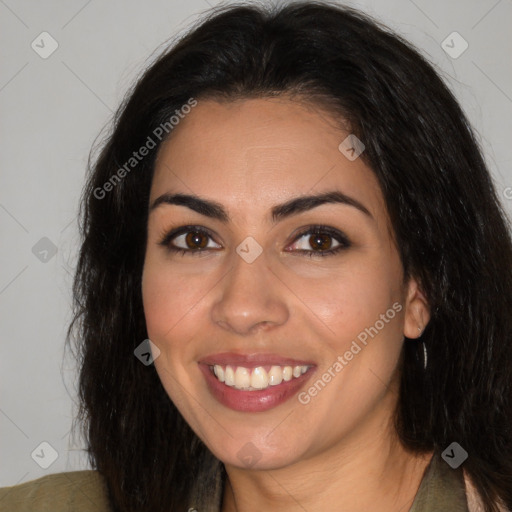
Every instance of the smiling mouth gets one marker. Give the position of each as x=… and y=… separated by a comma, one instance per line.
x=254, y=382
x=257, y=378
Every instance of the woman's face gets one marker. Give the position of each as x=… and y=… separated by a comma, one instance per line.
x=278, y=273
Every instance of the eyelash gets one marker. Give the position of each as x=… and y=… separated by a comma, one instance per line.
x=310, y=230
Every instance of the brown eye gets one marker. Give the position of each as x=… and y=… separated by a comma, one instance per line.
x=196, y=240
x=189, y=239
x=320, y=242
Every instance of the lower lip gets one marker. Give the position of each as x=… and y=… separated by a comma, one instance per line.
x=253, y=401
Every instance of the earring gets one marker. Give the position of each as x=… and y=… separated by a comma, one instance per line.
x=425, y=356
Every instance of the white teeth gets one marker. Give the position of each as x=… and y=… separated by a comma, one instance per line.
x=275, y=375
x=242, y=378
x=219, y=372
x=259, y=378
x=251, y=379
x=229, y=376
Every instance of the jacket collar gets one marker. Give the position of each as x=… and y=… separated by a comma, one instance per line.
x=442, y=488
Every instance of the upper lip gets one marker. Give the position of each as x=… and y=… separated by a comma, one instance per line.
x=252, y=360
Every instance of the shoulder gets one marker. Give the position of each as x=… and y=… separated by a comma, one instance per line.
x=60, y=492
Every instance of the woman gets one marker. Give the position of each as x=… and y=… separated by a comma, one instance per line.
x=292, y=207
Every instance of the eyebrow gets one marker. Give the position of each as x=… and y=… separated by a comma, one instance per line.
x=294, y=206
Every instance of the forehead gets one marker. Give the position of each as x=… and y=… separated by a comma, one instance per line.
x=265, y=149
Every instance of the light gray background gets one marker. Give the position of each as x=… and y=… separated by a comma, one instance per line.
x=51, y=111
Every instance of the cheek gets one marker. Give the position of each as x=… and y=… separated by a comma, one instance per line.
x=352, y=300
x=170, y=299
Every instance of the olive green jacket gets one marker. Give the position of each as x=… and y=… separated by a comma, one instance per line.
x=442, y=489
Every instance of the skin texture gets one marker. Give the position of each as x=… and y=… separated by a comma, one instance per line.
x=341, y=447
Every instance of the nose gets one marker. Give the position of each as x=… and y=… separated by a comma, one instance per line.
x=251, y=298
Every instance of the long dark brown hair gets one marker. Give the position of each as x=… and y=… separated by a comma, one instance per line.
x=451, y=232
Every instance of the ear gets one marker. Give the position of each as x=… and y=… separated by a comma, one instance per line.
x=417, y=310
